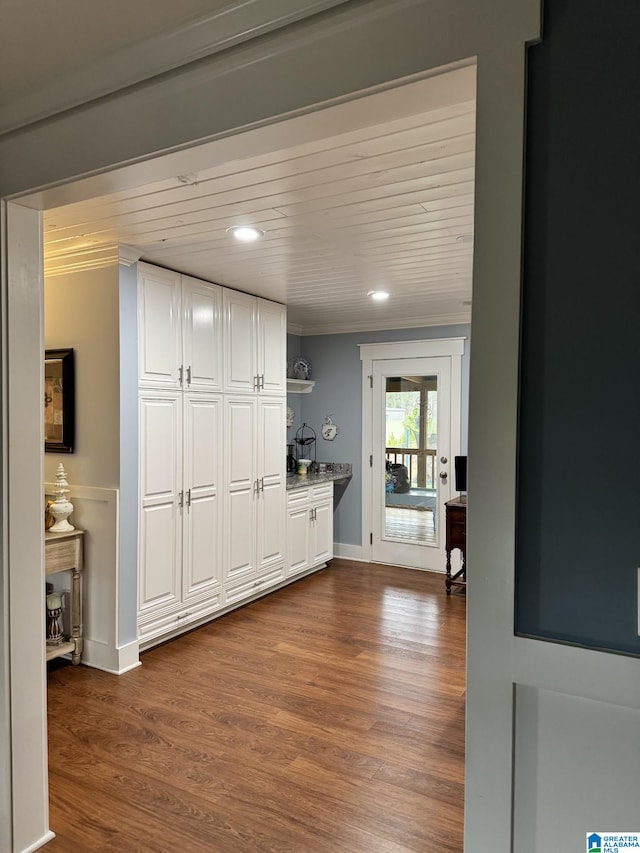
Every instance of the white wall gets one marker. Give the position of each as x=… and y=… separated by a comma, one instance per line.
x=81, y=310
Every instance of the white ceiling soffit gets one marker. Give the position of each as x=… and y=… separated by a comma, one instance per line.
x=379, y=196
x=99, y=48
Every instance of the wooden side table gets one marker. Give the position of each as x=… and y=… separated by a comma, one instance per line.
x=62, y=553
x=456, y=537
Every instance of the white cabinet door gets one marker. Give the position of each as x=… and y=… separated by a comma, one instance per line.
x=202, y=335
x=160, y=477
x=271, y=497
x=240, y=368
x=321, y=537
x=272, y=347
x=202, y=523
x=159, y=327
x=298, y=526
x=240, y=487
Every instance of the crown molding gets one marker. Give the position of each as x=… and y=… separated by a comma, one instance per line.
x=82, y=260
x=295, y=329
x=128, y=255
x=462, y=317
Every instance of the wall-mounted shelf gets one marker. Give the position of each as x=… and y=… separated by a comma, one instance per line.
x=300, y=386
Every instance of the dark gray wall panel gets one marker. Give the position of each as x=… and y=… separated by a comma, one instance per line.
x=579, y=458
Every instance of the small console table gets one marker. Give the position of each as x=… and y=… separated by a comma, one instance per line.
x=63, y=553
x=456, y=537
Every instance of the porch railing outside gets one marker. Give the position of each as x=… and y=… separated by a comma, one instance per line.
x=421, y=465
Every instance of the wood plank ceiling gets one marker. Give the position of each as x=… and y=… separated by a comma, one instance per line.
x=386, y=205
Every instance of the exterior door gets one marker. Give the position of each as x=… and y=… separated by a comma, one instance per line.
x=412, y=460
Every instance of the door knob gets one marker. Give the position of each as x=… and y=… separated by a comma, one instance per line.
x=443, y=476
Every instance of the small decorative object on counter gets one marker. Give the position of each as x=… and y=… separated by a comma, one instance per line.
x=329, y=430
x=303, y=465
x=54, y=612
x=306, y=442
x=61, y=508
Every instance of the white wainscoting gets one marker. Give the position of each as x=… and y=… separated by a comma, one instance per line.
x=95, y=510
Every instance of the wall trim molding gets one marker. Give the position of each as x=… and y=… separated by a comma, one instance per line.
x=237, y=22
x=46, y=838
x=128, y=255
x=102, y=656
x=452, y=319
x=348, y=552
x=81, y=260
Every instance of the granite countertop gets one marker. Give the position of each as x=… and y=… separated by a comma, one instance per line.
x=340, y=473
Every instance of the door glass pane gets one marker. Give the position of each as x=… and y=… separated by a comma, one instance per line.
x=411, y=498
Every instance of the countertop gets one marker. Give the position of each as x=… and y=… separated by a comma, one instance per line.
x=299, y=481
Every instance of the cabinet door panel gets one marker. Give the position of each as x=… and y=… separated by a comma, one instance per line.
x=160, y=477
x=160, y=448
x=240, y=486
x=322, y=533
x=159, y=327
x=298, y=541
x=240, y=341
x=271, y=499
x=270, y=505
x=202, y=563
x=159, y=573
x=272, y=346
x=272, y=440
x=202, y=340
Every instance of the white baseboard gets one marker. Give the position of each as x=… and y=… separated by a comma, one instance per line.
x=349, y=552
x=46, y=838
x=114, y=660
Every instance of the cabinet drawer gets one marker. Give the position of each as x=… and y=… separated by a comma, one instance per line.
x=61, y=554
x=179, y=618
x=239, y=592
x=322, y=490
x=298, y=497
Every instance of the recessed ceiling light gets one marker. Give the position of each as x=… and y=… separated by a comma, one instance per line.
x=246, y=233
x=378, y=295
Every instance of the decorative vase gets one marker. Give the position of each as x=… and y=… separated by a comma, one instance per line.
x=61, y=508
x=54, y=612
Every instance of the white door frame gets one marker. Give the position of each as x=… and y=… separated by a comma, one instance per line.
x=394, y=42
x=448, y=347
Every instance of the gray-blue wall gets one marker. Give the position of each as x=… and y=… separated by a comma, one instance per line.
x=337, y=370
x=128, y=507
x=579, y=466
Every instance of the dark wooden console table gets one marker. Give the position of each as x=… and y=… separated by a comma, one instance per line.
x=456, y=537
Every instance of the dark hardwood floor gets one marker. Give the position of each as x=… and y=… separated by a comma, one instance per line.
x=328, y=717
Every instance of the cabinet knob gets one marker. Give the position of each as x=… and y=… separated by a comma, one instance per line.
x=443, y=476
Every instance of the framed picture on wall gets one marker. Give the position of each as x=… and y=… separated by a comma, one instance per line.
x=59, y=401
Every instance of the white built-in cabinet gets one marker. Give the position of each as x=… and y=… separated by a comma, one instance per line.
x=179, y=331
x=212, y=436
x=255, y=506
x=255, y=345
x=309, y=528
x=180, y=527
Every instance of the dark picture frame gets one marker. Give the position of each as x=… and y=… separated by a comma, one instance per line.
x=59, y=401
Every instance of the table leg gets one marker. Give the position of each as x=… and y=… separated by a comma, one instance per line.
x=448, y=578
x=75, y=618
